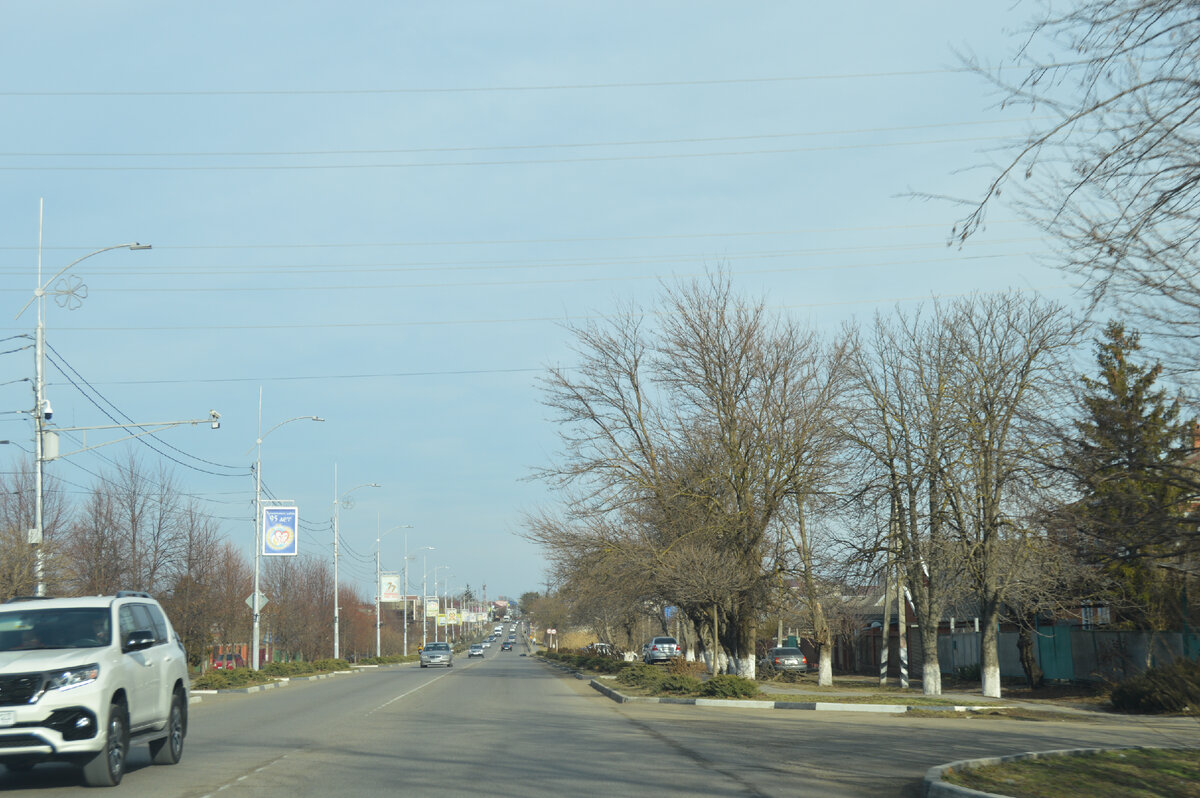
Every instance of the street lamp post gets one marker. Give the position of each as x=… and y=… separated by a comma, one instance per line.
x=378, y=578
x=338, y=499
x=424, y=598
x=69, y=296
x=438, y=596
x=407, y=557
x=254, y=599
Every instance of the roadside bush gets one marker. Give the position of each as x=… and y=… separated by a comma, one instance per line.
x=285, y=668
x=729, y=686
x=968, y=673
x=327, y=665
x=679, y=684
x=227, y=679
x=1170, y=688
x=681, y=667
x=645, y=676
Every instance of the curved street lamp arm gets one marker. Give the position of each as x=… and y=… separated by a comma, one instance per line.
x=41, y=290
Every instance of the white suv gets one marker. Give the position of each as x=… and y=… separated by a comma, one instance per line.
x=72, y=690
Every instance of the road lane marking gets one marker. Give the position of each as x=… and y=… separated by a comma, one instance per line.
x=410, y=692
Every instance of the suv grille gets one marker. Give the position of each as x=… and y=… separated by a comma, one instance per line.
x=18, y=689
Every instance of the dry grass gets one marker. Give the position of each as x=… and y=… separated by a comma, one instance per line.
x=1114, y=774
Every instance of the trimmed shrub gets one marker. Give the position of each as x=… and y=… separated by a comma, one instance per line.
x=679, y=684
x=1170, y=688
x=729, y=686
x=227, y=679
x=681, y=667
x=644, y=676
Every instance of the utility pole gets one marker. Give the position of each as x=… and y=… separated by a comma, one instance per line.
x=887, y=603
x=902, y=623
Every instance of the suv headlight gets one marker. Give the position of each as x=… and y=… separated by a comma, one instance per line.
x=73, y=677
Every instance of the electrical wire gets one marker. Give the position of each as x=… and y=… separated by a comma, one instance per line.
x=506, y=89
x=129, y=426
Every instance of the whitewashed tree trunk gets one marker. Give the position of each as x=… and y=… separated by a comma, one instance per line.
x=931, y=678
x=825, y=666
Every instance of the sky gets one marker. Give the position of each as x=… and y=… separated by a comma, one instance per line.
x=389, y=214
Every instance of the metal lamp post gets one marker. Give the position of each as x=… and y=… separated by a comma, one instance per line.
x=254, y=602
x=378, y=577
x=408, y=557
x=338, y=499
x=69, y=296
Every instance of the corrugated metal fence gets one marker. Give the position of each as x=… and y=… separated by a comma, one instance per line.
x=1071, y=653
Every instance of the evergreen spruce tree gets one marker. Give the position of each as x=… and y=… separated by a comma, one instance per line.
x=1133, y=463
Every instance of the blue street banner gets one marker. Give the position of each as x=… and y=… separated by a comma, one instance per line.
x=280, y=527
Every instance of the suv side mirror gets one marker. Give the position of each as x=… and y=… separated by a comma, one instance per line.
x=138, y=641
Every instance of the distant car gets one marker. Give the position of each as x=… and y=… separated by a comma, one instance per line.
x=487, y=643
x=602, y=650
x=476, y=650
x=506, y=645
x=660, y=649
x=227, y=662
x=437, y=654
x=785, y=659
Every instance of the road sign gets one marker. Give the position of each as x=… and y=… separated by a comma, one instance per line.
x=262, y=600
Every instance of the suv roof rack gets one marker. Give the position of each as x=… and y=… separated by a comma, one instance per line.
x=133, y=593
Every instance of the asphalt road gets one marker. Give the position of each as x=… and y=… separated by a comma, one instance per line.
x=512, y=726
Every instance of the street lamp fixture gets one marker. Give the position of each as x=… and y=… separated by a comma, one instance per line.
x=378, y=579
x=69, y=296
x=254, y=598
x=338, y=501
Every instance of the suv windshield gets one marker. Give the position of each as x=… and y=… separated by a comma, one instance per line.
x=29, y=629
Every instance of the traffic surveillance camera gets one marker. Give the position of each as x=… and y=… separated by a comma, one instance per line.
x=215, y=416
x=47, y=410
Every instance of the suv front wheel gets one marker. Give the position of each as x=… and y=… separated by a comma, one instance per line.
x=107, y=767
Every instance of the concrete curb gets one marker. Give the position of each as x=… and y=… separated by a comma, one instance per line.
x=194, y=696
x=935, y=787
x=818, y=706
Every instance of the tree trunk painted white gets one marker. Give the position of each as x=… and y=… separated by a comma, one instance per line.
x=931, y=678
x=931, y=669
x=991, y=679
x=989, y=641
x=825, y=666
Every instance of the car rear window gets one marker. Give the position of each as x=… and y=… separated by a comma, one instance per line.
x=665, y=641
x=788, y=652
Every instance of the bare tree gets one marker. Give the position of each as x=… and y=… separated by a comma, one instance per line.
x=696, y=420
x=1114, y=177
x=1012, y=354
x=301, y=593
x=18, y=576
x=902, y=421
x=194, y=583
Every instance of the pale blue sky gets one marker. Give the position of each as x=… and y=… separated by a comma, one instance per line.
x=382, y=212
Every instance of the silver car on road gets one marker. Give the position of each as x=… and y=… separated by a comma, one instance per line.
x=437, y=654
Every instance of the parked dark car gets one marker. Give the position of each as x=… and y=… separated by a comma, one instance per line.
x=784, y=659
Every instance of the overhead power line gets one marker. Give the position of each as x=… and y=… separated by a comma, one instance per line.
x=522, y=162
x=498, y=89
